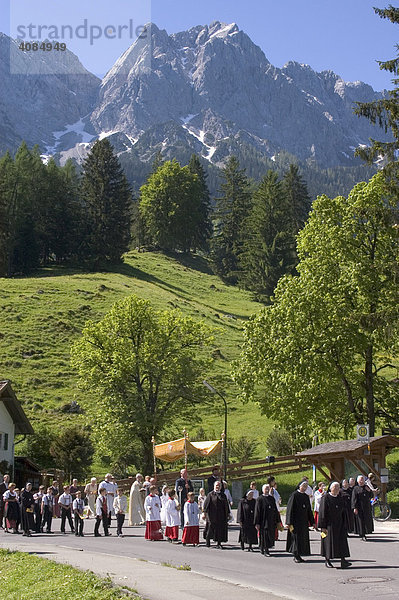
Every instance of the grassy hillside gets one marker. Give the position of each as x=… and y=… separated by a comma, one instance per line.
x=40, y=317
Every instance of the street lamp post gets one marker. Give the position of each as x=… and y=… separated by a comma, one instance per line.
x=214, y=391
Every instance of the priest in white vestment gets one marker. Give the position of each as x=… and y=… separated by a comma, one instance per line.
x=136, y=505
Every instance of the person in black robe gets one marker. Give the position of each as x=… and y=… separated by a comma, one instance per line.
x=266, y=519
x=217, y=511
x=346, y=493
x=299, y=517
x=27, y=507
x=245, y=518
x=332, y=522
x=361, y=506
x=183, y=485
x=213, y=479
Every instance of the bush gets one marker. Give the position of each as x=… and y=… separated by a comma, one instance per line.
x=241, y=449
x=279, y=442
x=393, y=501
x=393, y=476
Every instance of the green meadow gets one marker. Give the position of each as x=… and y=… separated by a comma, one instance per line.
x=42, y=315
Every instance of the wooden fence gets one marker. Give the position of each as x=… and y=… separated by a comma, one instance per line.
x=252, y=469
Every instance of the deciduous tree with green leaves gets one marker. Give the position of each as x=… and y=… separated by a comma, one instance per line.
x=173, y=208
x=73, y=451
x=320, y=357
x=142, y=370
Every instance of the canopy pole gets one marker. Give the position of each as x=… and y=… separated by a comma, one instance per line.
x=223, y=460
x=153, y=454
x=185, y=448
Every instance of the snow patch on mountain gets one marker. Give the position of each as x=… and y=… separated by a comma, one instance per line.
x=78, y=128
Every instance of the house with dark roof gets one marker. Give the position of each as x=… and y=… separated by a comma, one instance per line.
x=13, y=421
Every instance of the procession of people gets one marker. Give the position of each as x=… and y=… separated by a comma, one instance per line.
x=339, y=509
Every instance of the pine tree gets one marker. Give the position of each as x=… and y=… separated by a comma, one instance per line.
x=232, y=208
x=203, y=232
x=385, y=112
x=7, y=185
x=24, y=220
x=76, y=227
x=269, y=242
x=297, y=198
x=63, y=212
x=106, y=199
x=157, y=162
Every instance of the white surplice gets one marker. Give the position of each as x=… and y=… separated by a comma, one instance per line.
x=191, y=514
x=172, y=514
x=152, y=505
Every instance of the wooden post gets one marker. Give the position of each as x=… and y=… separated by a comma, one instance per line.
x=383, y=464
x=153, y=454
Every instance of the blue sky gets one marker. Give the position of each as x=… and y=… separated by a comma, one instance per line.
x=343, y=35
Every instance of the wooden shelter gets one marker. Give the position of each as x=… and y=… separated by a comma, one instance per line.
x=366, y=457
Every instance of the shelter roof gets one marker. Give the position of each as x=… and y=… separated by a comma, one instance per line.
x=14, y=408
x=348, y=446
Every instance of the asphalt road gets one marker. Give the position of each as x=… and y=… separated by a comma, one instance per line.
x=374, y=572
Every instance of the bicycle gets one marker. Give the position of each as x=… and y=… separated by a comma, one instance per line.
x=381, y=510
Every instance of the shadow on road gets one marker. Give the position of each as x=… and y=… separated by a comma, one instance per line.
x=377, y=567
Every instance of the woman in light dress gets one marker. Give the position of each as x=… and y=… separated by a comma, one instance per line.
x=91, y=493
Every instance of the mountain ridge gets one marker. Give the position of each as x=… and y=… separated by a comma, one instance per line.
x=215, y=84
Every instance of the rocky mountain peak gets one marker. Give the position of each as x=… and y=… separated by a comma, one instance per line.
x=208, y=89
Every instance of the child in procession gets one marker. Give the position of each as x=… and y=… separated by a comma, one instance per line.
x=319, y=493
x=101, y=513
x=120, y=508
x=78, y=506
x=172, y=517
x=152, y=506
x=191, y=521
x=47, y=510
x=201, y=500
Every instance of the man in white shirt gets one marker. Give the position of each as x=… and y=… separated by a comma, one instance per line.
x=65, y=502
x=110, y=488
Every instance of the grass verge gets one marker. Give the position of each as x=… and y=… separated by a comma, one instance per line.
x=27, y=577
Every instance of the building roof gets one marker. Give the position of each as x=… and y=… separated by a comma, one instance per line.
x=27, y=462
x=14, y=408
x=347, y=446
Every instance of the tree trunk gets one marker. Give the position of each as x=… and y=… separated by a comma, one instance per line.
x=147, y=459
x=368, y=380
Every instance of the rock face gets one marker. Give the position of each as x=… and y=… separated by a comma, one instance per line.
x=216, y=84
x=208, y=89
x=40, y=94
